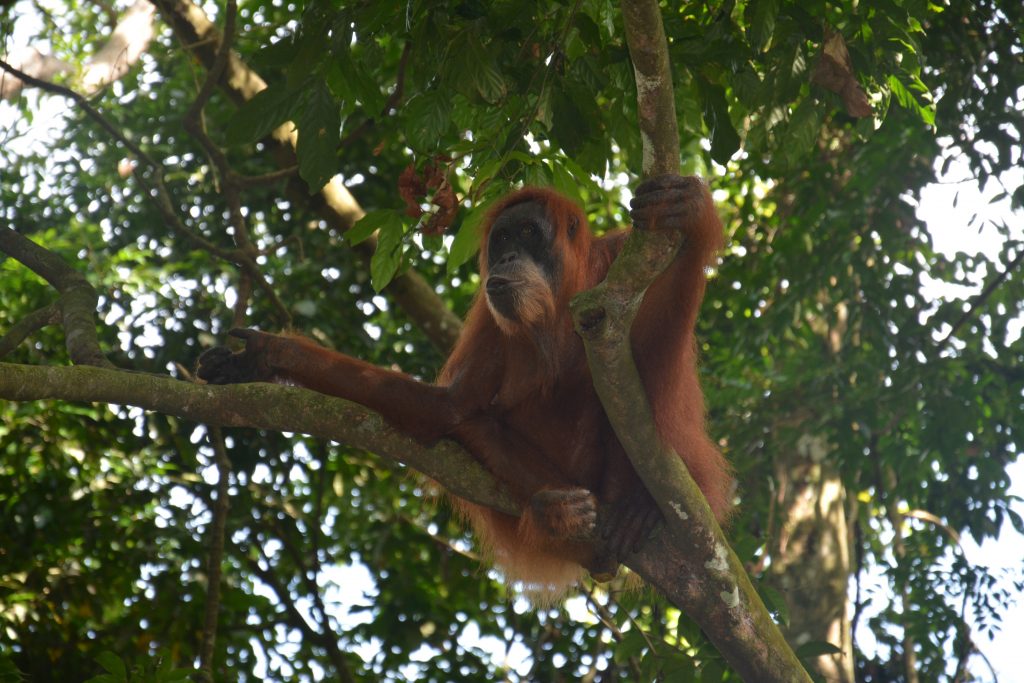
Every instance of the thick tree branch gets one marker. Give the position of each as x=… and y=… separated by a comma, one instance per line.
x=648, y=48
x=262, y=406
x=698, y=570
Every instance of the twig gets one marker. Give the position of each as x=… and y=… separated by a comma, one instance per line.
x=334, y=203
x=602, y=614
x=477, y=189
x=84, y=105
x=981, y=297
x=155, y=189
x=266, y=178
x=325, y=639
x=230, y=187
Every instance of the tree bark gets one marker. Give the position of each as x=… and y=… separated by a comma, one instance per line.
x=699, y=574
x=694, y=566
x=810, y=554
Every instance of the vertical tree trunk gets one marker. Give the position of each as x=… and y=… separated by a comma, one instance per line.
x=811, y=554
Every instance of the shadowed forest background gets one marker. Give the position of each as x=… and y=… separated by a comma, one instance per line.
x=866, y=386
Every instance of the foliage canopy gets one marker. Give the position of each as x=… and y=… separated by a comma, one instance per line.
x=817, y=321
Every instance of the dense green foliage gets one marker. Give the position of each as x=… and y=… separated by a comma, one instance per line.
x=815, y=322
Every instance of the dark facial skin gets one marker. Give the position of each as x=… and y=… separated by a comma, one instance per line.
x=520, y=242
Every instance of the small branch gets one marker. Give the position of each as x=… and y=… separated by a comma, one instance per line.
x=308, y=575
x=128, y=41
x=244, y=255
x=31, y=62
x=602, y=614
x=392, y=101
x=267, y=178
x=216, y=559
x=326, y=640
x=899, y=551
x=78, y=298
x=981, y=297
x=84, y=105
x=34, y=321
x=157, y=190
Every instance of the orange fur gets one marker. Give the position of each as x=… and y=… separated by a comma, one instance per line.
x=517, y=393
x=537, y=360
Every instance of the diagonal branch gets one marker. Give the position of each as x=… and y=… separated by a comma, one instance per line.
x=979, y=299
x=706, y=579
x=31, y=323
x=156, y=189
x=128, y=41
x=77, y=298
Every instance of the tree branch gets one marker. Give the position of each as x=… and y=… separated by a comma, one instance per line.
x=979, y=299
x=128, y=41
x=262, y=406
x=698, y=570
x=221, y=505
x=156, y=190
x=34, y=321
x=648, y=48
x=77, y=301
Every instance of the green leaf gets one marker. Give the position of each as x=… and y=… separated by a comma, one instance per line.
x=713, y=670
x=427, y=119
x=570, y=126
x=112, y=663
x=632, y=644
x=724, y=138
x=907, y=99
x=368, y=224
x=816, y=648
x=467, y=240
x=774, y=601
x=760, y=17
x=388, y=256
x=350, y=80
x=801, y=133
x=255, y=119
x=319, y=130
x=564, y=181
x=482, y=72
x=485, y=172
x=274, y=55
x=9, y=673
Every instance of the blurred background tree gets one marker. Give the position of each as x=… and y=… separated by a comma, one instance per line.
x=870, y=421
